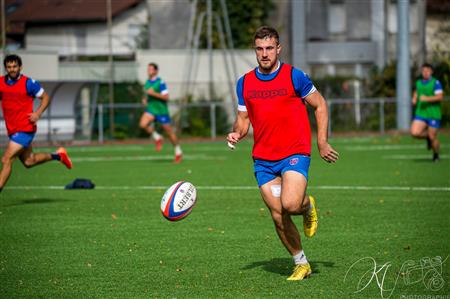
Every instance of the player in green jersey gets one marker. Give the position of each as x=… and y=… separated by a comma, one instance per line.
x=155, y=100
x=427, y=99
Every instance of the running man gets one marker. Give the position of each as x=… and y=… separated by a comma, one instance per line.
x=17, y=93
x=155, y=99
x=272, y=98
x=427, y=117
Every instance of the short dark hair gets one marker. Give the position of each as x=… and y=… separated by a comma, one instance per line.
x=266, y=32
x=428, y=65
x=153, y=65
x=12, y=58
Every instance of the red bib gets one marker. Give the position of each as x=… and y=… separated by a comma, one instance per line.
x=17, y=106
x=278, y=115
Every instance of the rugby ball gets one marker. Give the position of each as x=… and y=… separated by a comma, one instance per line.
x=178, y=201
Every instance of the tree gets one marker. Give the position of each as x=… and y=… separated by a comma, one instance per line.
x=245, y=17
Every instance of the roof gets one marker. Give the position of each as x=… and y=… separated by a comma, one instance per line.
x=438, y=6
x=21, y=12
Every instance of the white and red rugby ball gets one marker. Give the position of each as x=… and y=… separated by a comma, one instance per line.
x=178, y=201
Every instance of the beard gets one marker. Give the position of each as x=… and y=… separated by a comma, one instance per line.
x=13, y=75
x=267, y=68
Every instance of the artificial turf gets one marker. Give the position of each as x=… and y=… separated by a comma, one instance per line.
x=383, y=202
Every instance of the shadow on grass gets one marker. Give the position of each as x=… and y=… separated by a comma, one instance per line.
x=34, y=201
x=284, y=266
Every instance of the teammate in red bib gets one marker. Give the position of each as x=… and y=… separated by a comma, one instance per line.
x=17, y=93
x=273, y=98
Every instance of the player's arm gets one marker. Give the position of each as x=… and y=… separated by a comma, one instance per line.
x=35, y=90
x=414, y=98
x=316, y=100
x=240, y=127
x=438, y=94
x=144, y=101
x=436, y=98
x=242, y=122
x=45, y=101
x=151, y=92
x=163, y=93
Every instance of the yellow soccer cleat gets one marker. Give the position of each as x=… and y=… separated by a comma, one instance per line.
x=300, y=272
x=310, y=219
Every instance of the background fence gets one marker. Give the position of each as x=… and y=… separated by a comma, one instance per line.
x=208, y=119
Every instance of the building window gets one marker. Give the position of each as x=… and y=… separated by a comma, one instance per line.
x=337, y=18
x=413, y=17
x=80, y=39
x=135, y=36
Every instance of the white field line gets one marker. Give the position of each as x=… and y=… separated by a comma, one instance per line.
x=135, y=148
x=150, y=149
x=100, y=149
x=207, y=148
x=234, y=188
x=144, y=158
x=410, y=157
x=389, y=147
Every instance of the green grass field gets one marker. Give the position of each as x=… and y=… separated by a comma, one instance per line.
x=383, y=202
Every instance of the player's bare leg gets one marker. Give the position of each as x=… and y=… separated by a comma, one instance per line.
x=294, y=199
x=170, y=132
x=286, y=229
x=145, y=123
x=174, y=140
x=30, y=159
x=296, y=202
x=419, y=129
x=11, y=152
x=435, y=144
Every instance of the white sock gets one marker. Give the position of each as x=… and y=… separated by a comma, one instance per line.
x=178, y=150
x=156, y=136
x=300, y=258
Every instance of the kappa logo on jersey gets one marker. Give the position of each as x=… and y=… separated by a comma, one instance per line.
x=293, y=161
x=264, y=94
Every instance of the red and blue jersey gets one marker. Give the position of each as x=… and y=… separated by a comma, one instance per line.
x=276, y=111
x=17, y=102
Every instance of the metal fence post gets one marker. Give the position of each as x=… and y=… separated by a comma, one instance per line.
x=213, y=120
x=381, y=101
x=100, y=123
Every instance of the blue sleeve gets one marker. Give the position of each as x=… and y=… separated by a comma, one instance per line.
x=438, y=87
x=34, y=89
x=302, y=84
x=163, y=87
x=240, y=91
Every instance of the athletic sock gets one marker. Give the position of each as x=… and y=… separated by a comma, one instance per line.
x=428, y=143
x=156, y=136
x=435, y=156
x=55, y=156
x=178, y=150
x=300, y=258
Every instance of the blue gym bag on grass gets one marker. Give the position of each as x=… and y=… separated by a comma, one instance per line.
x=80, y=184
